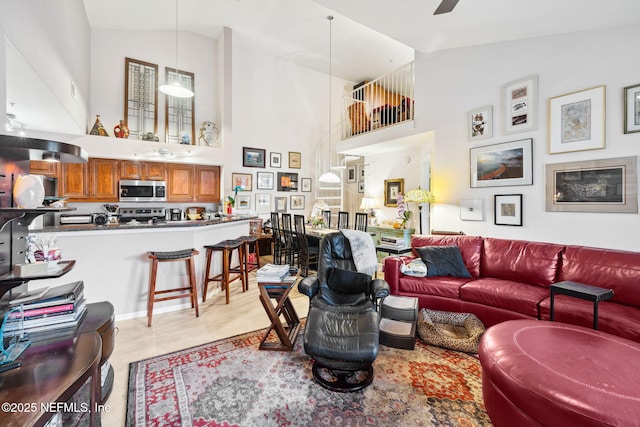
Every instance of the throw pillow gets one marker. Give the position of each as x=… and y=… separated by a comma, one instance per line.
x=348, y=282
x=443, y=261
x=416, y=268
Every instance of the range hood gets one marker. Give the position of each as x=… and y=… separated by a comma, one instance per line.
x=16, y=148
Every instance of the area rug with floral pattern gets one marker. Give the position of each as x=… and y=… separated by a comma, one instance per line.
x=232, y=383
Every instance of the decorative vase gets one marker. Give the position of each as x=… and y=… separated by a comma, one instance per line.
x=229, y=209
x=121, y=130
x=28, y=192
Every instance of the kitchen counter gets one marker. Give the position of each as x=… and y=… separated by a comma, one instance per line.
x=113, y=263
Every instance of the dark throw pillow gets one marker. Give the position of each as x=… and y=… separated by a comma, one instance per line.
x=443, y=261
x=348, y=282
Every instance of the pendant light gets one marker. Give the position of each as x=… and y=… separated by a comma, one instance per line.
x=175, y=89
x=329, y=177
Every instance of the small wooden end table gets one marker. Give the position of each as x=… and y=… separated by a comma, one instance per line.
x=279, y=291
x=582, y=291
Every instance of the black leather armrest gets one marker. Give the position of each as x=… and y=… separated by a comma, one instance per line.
x=309, y=286
x=379, y=288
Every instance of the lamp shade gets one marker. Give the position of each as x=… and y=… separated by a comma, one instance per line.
x=419, y=195
x=329, y=177
x=175, y=89
x=368, y=203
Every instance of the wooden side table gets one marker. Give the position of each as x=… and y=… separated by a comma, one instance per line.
x=286, y=334
x=582, y=291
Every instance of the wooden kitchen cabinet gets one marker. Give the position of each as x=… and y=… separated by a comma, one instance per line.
x=41, y=167
x=180, y=182
x=151, y=171
x=72, y=182
x=207, y=188
x=103, y=180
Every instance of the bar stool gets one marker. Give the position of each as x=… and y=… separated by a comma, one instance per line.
x=249, y=266
x=190, y=291
x=228, y=274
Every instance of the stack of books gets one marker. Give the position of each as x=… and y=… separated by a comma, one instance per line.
x=273, y=273
x=44, y=314
x=392, y=242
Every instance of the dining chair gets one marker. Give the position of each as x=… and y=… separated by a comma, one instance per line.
x=343, y=220
x=307, y=255
x=326, y=215
x=290, y=240
x=278, y=241
x=361, y=222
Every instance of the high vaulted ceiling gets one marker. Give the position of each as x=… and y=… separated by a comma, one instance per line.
x=370, y=37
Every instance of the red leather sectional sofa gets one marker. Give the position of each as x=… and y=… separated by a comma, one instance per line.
x=511, y=279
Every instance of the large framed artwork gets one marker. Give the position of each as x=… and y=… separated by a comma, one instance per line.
x=520, y=105
x=392, y=187
x=603, y=185
x=499, y=165
x=480, y=123
x=508, y=209
x=253, y=157
x=577, y=121
x=632, y=109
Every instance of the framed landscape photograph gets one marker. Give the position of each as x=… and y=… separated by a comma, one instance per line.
x=520, y=105
x=280, y=204
x=295, y=160
x=243, y=202
x=480, y=123
x=306, y=185
x=500, y=165
x=297, y=202
x=604, y=185
x=632, y=109
x=275, y=160
x=508, y=209
x=263, y=203
x=264, y=180
x=253, y=157
x=577, y=121
x=392, y=187
x=242, y=180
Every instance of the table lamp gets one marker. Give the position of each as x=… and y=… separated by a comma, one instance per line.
x=368, y=204
x=419, y=196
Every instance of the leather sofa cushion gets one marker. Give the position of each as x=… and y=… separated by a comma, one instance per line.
x=617, y=319
x=506, y=294
x=522, y=261
x=607, y=268
x=443, y=261
x=470, y=248
x=444, y=286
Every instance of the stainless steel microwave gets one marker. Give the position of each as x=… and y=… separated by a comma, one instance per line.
x=143, y=191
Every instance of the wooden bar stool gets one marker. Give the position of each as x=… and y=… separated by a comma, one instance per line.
x=190, y=291
x=249, y=243
x=228, y=274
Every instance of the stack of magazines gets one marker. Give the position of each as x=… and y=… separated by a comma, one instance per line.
x=392, y=242
x=273, y=273
x=46, y=313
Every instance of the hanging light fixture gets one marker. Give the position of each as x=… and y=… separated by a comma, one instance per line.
x=329, y=177
x=175, y=89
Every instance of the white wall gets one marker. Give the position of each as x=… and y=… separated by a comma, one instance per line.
x=451, y=83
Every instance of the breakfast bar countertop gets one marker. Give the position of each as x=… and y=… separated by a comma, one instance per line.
x=135, y=225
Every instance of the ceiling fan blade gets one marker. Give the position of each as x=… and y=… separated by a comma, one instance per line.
x=446, y=6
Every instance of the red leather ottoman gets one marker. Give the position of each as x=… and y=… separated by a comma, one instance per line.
x=554, y=374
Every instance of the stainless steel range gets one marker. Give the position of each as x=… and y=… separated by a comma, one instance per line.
x=142, y=214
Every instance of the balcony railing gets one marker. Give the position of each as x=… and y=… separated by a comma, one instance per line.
x=374, y=105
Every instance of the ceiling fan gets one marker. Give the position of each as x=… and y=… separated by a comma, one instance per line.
x=446, y=6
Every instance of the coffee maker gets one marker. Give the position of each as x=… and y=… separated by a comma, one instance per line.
x=175, y=214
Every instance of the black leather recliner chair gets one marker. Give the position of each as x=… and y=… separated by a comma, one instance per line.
x=342, y=328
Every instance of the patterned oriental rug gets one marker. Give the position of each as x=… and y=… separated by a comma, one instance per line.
x=232, y=383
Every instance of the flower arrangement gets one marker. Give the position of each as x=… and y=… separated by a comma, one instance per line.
x=317, y=221
x=231, y=201
x=403, y=213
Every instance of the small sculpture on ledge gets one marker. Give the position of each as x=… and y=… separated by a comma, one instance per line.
x=121, y=130
x=98, y=128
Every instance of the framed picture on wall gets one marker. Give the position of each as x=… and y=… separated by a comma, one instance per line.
x=264, y=180
x=306, y=185
x=577, y=121
x=275, y=160
x=520, y=105
x=361, y=187
x=471, y=209
x=295, y=160
x=632, y=109
x=253, y=157
x=243, y=202
x=297, y=202
x=505, y=164
x=263, y=203
x=280, y=204
x=393, y=187
x=480, y=123
x=351, y=173
x=242, y=180
x=508, y=209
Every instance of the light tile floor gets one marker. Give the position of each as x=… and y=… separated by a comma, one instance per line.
x=181, y=329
